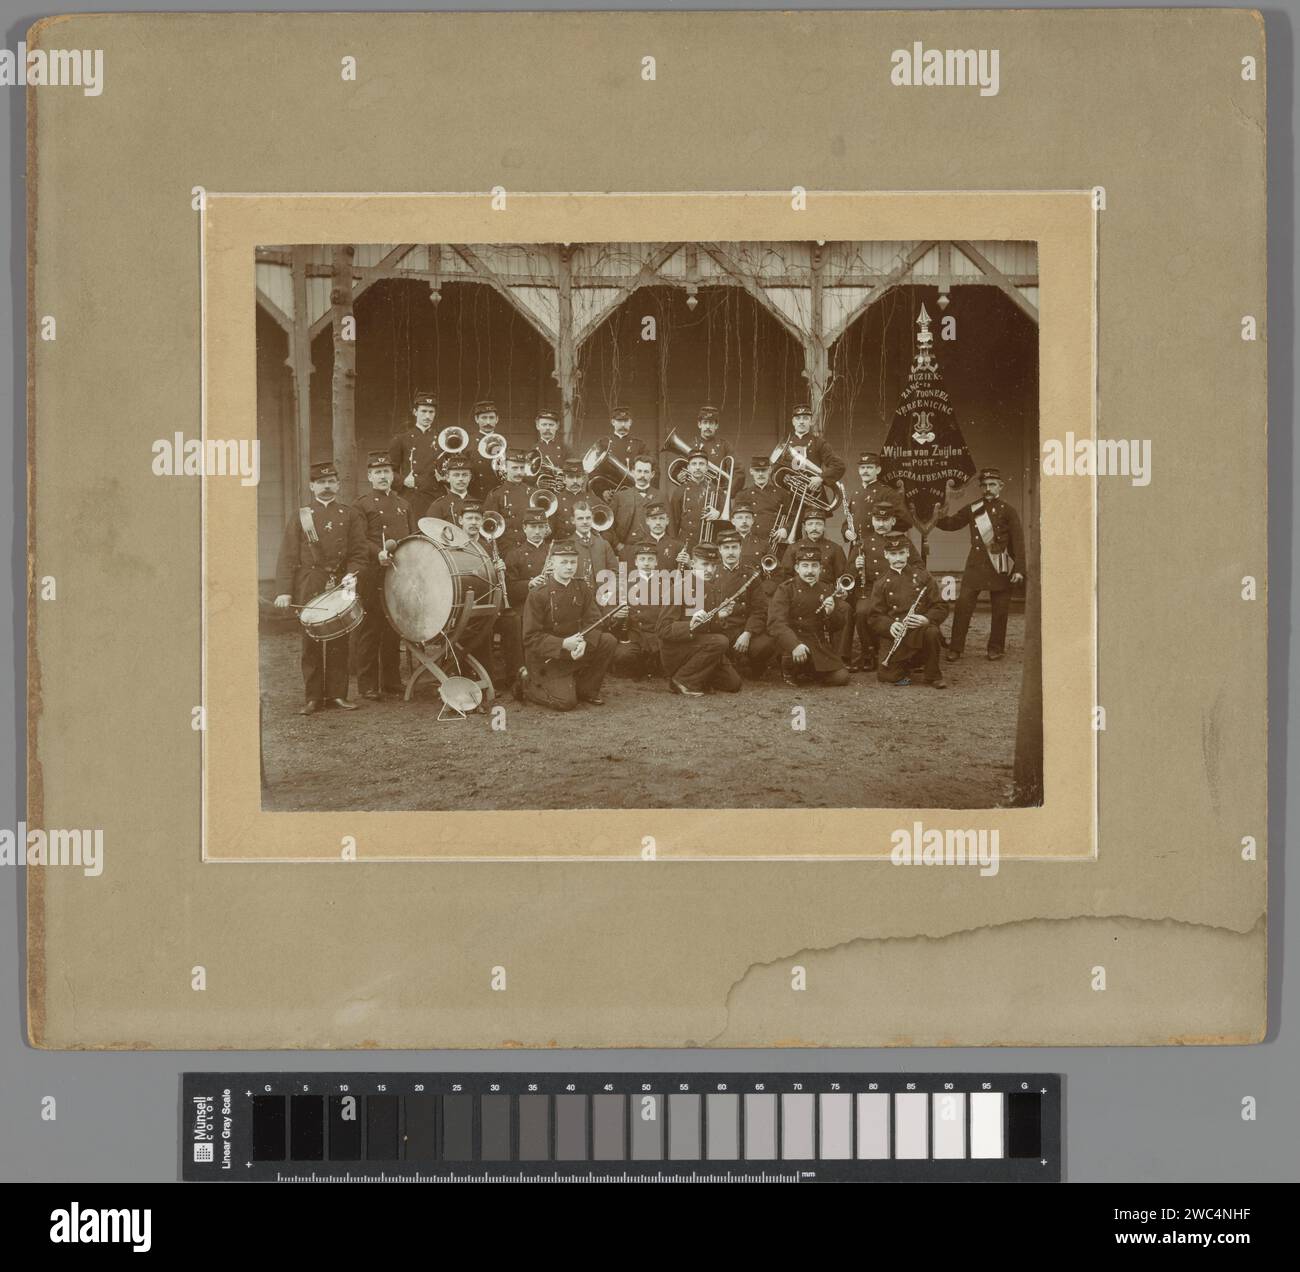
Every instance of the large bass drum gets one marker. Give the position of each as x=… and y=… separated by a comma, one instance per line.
x=427, y=590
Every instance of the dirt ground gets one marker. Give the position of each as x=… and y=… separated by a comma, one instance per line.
x=867, y=745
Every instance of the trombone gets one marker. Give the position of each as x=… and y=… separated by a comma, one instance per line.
x=726, y=473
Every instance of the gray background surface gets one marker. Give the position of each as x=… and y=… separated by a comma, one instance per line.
x=1142, y=1115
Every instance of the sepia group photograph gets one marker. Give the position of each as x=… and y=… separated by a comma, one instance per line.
x=649, y=525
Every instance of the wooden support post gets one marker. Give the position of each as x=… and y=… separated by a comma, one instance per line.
x=565, y=349
x=345, y=371
x=816, y=357
x=300, y=365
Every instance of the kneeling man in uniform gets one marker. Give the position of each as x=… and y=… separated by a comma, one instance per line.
x=906, y=607
x=561, y=667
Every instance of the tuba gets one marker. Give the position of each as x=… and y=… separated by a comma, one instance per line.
x=606, y=473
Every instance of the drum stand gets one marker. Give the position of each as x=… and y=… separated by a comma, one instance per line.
x=430, y=656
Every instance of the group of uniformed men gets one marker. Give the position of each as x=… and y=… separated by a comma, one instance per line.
x=745, y=617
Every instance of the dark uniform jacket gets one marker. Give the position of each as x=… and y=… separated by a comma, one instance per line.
x=594, y=555
x=305, y=570
x=667, y=550
x=448, y=507
x=980, y=572
x=510, y=501
x=688, y=504
x=551, y=613
x=677, y=640
x=387, y=516
x=716, y=449
x=767, y=501
x=726, y=584
x=645, y=609
x=877, y=495
x=626, y=449
x=524, y=562
x=414, y=451
x=628, y=506
x=892, y=596
x=833, y=560
x=483, y=478
x=794, y=618
x=556, y=451
x=753, y=549
x=872, y=549
x=562, y=521
x=820, y=452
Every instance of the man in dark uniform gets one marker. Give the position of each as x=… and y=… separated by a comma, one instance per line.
x=574, y=492
x=803, y=444
x=484, y=477
x=324, y=545
x=595, y=556
x=874, y=494
x=414, y=456
x=670, y=551
x=767, y=498
x=752, y=548
x=563, y=668
x=527, y=564
x=829, y=553
x=690, y=501
x=995, y=564
x=637, y=656
x=870, y=564
x=388, y=519
x=734, y=573
x=802, y=617
x=715, y=448
x=448, y=507
x=622, y=445
x=549, y=445
x=629, y=504
x=892, y=616
x=694, y=645
x=510, y=501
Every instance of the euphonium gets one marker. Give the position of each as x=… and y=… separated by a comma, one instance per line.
x=542, y=471
x=453, y=439
x=543, y=501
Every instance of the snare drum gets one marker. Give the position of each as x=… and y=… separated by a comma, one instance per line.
x=331, y=614
x=427, y=589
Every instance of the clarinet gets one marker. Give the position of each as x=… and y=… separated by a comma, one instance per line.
x=898, y=640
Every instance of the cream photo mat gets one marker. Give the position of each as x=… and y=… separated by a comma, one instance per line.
x=1061, y=223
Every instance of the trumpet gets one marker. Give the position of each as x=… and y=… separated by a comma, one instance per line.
x=769, y=565
x=544, y=501
x=843, y=585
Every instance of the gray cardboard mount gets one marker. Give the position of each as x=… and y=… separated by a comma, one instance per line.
x=671, y=952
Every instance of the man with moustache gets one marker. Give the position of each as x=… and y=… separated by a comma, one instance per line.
x=690, y=501
x=715, y=448
x=996, y=563
x=895, y=614
x=870, y=564
x=803, y=617
x=629, y=504
x=873, y=494
x=414, y=455
x=324, y=546
x=803, y=444
x=622, y=444
x=649, y=591
x=451, y=506
x=693, y=644
x=510, y=501
x=388, y=519
x=549, y=444
x=670, y=551
x=767, y=498
x=829, y=553
x=483, y=476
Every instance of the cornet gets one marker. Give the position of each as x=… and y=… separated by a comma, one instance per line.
x=843, y=585
x=770, y=565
